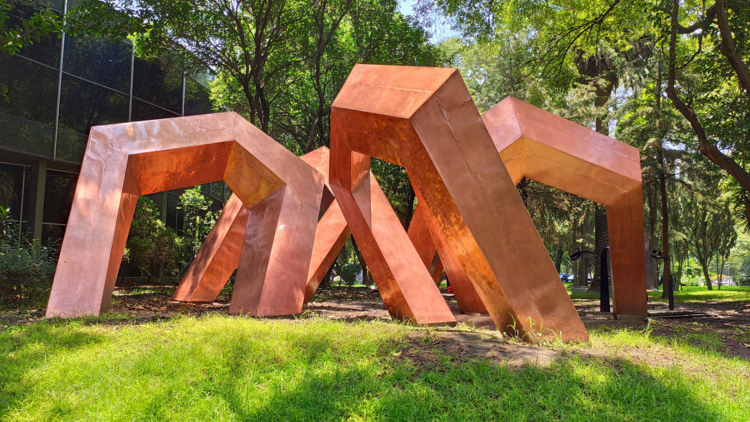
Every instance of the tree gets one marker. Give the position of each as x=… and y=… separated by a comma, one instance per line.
x=24, y=22
x=708, y=221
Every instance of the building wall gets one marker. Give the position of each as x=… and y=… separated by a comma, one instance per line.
x=57, y=89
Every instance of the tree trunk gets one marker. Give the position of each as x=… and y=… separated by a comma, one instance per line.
x=574, y=244
x=664, y=221
x=704, y=267
x=654, y=276
x=558, y=259
x=601, y=241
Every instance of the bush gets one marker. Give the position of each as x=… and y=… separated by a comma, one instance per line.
x=26, y=270
x=199, y=220
x=152, y=246
x=349, y=273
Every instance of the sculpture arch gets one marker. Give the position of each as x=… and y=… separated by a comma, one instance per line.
x=544, y=147
x=425, y=120
x=220, y=254
x=124, y=161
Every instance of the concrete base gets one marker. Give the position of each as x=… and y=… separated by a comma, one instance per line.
x=579, y=289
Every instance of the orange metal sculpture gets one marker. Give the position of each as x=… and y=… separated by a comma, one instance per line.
x=541, y=146
x=220, y=253
x=425, y=120
x=126, y=160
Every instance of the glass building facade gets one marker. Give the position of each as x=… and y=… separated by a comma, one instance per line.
x=57, y=89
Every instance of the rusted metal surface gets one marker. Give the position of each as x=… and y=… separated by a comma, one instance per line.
x=424, y=119
x=126, y=160
x=220, y=254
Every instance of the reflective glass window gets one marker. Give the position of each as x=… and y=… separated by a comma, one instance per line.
x=11, y=185
x=197, y=100
x=83, y=104
x=58, y=197
x=145, y=111
x=47, y=49
x=71, y=146
x=157, y=84
x=32, y=90
x=52, y=235
x=25, y=136
x=99, y=60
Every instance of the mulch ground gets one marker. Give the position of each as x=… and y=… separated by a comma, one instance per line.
x=475, y=337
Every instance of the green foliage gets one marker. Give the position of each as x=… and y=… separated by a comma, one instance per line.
x=26, y=269
x=152, y=247
x=24, y=22
x=199, y=220
x=348, y=273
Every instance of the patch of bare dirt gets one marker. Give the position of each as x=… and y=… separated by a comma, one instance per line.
x=730, y=321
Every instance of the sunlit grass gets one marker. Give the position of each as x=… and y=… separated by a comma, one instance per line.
x=686, y=294
x=230, y=368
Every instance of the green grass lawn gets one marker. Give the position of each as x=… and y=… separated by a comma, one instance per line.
x=230, y=368
x=687, y=294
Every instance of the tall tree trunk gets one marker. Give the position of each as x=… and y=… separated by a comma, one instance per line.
x=574, y=245
x=664, y=221
x=601, y=241
x=654, y=276
x=558, y=259
x=704, y=267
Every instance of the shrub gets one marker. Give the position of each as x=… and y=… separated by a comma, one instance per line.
x=349, y=273
x=152, y=246
x=199, y=220
x=26, y=269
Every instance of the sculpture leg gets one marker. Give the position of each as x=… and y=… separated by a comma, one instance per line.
x=95, y=238
x=275, y=256
x=331, y=234
x=626, y=239
x=468, y=300
x=217, y=258
x=407, y=290
x=420, y=237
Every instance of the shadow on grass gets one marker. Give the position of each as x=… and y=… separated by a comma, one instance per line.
x=235, y=368
x=611, y=390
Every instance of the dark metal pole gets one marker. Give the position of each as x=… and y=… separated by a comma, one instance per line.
x=604, y=287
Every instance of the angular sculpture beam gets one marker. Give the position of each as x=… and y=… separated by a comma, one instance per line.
x=541, y=146
x=220, y=253
x=127, y=160
x=425, y=120
x=564, y=155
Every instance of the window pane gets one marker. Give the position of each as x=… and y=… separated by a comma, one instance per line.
x=52, y=235
x=24, y=136
x=58, y=197
x=11, y=183
x=46, y=50
x=157, y=85
x=98, y=60
x=84, y=104
x=71, y=146
x=197, y=99
x=32, y=90
x=145, y=111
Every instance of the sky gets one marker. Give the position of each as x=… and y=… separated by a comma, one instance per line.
x=442, y=29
